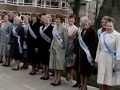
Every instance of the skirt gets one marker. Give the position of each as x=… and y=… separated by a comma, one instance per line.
x=32, y=56
x=14, y=52
x=57, y=59
x=69, y=54
x=4, y=49
x=44, y=56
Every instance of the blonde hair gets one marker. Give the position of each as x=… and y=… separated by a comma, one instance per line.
x=27, y=16
x=19, y=18
x=49, y=17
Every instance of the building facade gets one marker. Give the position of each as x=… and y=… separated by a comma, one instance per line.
x=88, y=8
x=26, y=7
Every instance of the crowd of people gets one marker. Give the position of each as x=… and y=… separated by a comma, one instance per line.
x=37, y=41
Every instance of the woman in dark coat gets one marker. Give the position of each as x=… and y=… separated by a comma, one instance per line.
x=32, y=44
x=16, y=43
x=45, y=39
x=77, y=62
x=88, y=45
x=26, y=28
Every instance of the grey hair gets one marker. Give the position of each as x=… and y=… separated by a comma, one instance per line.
x=85, y=19
x=19, y=18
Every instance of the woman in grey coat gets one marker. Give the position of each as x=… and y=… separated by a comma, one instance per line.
x=58, y=49
x=5, y=31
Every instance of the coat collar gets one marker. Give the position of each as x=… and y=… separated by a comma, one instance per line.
x=114, y=33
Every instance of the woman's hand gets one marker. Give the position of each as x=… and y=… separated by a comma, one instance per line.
x=74, y=35
x=118, y=65
x=96, y=65
x=36, y=49
x=95, y=68
x=74, y=55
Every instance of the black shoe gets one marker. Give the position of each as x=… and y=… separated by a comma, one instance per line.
x=42, y=77
x=1, y=61
x=37, y=69
x=24, y=67
x=52, y=74
x=46, y=78
x=79, y=86
x=52, y=83
x=15, y=69
x=7, y=65
x=32, y=73
x=76, y=85
x=56, y=84
x=3, y=64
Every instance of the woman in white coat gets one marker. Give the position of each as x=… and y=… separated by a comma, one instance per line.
x=108, y=47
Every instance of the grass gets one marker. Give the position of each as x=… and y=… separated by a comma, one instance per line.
x=92, y=82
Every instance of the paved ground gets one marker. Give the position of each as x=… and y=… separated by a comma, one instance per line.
x=21, y=80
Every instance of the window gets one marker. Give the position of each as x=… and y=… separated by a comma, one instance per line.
x=27, y=1
x=39, y=1
x=20, y=2
x=64, y=5
x=42, y=3
x=47, y=3
x=82, y=8
x=55, y=3
x=2, y=1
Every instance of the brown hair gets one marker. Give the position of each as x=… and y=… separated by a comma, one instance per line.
x=6, y=15
x=71, y=16
x=61, y=17
x=34, y=15
x=110, y=19
x=1, y=16
x=105, y=18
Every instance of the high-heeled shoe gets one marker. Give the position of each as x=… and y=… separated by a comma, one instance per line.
x=3, y=65
x=25, y=67
x=1, y=61
x=52, y=74
x=7, y=65
x=46, y=78
x=76, y=85
x=56, y=84
x=15, y=69
x=32, y=73
x=52, y=83
x=42, y=77
x=22, y=67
